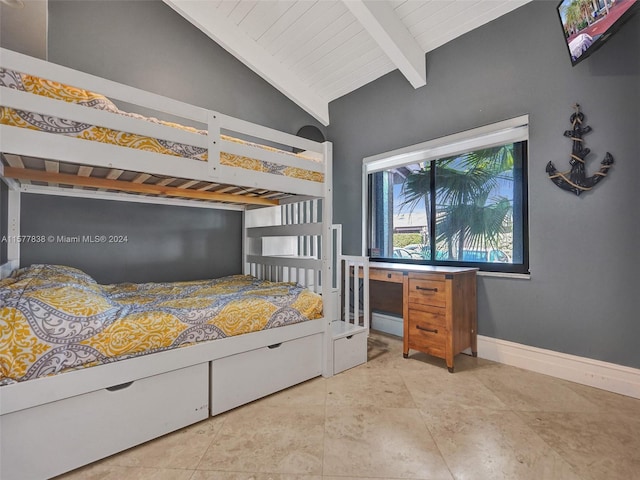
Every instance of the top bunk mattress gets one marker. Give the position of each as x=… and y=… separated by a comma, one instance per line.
x=55, y=90
x=55, y=318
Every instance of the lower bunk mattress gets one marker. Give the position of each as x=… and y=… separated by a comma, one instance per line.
x=55, y=319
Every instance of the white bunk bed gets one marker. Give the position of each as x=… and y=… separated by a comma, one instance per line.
x=54, y=424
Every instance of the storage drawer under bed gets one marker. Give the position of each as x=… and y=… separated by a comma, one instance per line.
x=244, y=377
x=349, y=352
x=56, y=437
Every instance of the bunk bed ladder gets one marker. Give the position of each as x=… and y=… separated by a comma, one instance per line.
x=350, y=328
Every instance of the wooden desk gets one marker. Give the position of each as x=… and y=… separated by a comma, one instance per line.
x=439, y=306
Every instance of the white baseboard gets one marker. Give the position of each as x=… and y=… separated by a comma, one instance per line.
x=586, y=371
x=387, y=323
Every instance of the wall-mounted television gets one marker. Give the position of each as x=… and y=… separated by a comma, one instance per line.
x=588, y=24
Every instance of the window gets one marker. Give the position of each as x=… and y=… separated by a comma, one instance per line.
x=457, y=200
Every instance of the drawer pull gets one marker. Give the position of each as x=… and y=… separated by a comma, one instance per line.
x=425, y=329
x=388, y=275
x=418, y=287
x=122, y=386
x=275, y=345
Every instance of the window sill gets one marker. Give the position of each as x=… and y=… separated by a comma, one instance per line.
x=517, y=276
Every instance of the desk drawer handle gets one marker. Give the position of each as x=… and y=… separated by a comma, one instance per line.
x=424, y=329
x=388, y=275
x=275, y=345
x=418, y=287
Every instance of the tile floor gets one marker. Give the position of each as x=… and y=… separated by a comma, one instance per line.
x=397, y=418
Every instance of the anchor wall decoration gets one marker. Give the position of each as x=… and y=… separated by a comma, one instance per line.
x=575, y=180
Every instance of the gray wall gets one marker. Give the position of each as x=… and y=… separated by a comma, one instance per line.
x=147, y=45
x=583, y=297
x=163, y=243
x=24, y=29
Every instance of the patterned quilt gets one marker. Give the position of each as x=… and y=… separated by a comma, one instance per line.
x=55, y=318
x=59, y=91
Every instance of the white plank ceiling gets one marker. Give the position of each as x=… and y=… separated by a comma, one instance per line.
x=315, y=51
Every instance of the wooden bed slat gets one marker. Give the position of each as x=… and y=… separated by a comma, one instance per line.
x=165, y=182
x=50, y=166
x=141, y=178
x=14, y=160
x=208, y=187
x=114, y=174
x=227, y=189
x=85, y=171
x=188, y=184
x=38, y=175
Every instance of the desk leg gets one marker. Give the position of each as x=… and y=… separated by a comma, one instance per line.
x=474, y=336
x=449, y=356
x=405, y=316
x=474, y=316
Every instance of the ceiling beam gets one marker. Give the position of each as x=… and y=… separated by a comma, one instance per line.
x=218, y=27
x=380, y=20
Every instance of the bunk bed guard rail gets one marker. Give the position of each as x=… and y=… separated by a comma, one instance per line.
x=355, y=293
x=218, y=127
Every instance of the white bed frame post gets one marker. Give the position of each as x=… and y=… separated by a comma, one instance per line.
x=213, y=144
x=13, y=229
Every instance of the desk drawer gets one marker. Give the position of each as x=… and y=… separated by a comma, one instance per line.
x=385, y=275
x=427, y=292
x=427, y=333
x=431, y=315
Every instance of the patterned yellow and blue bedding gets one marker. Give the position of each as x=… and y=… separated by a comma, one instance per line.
x=59, y=91
x=55, y=318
